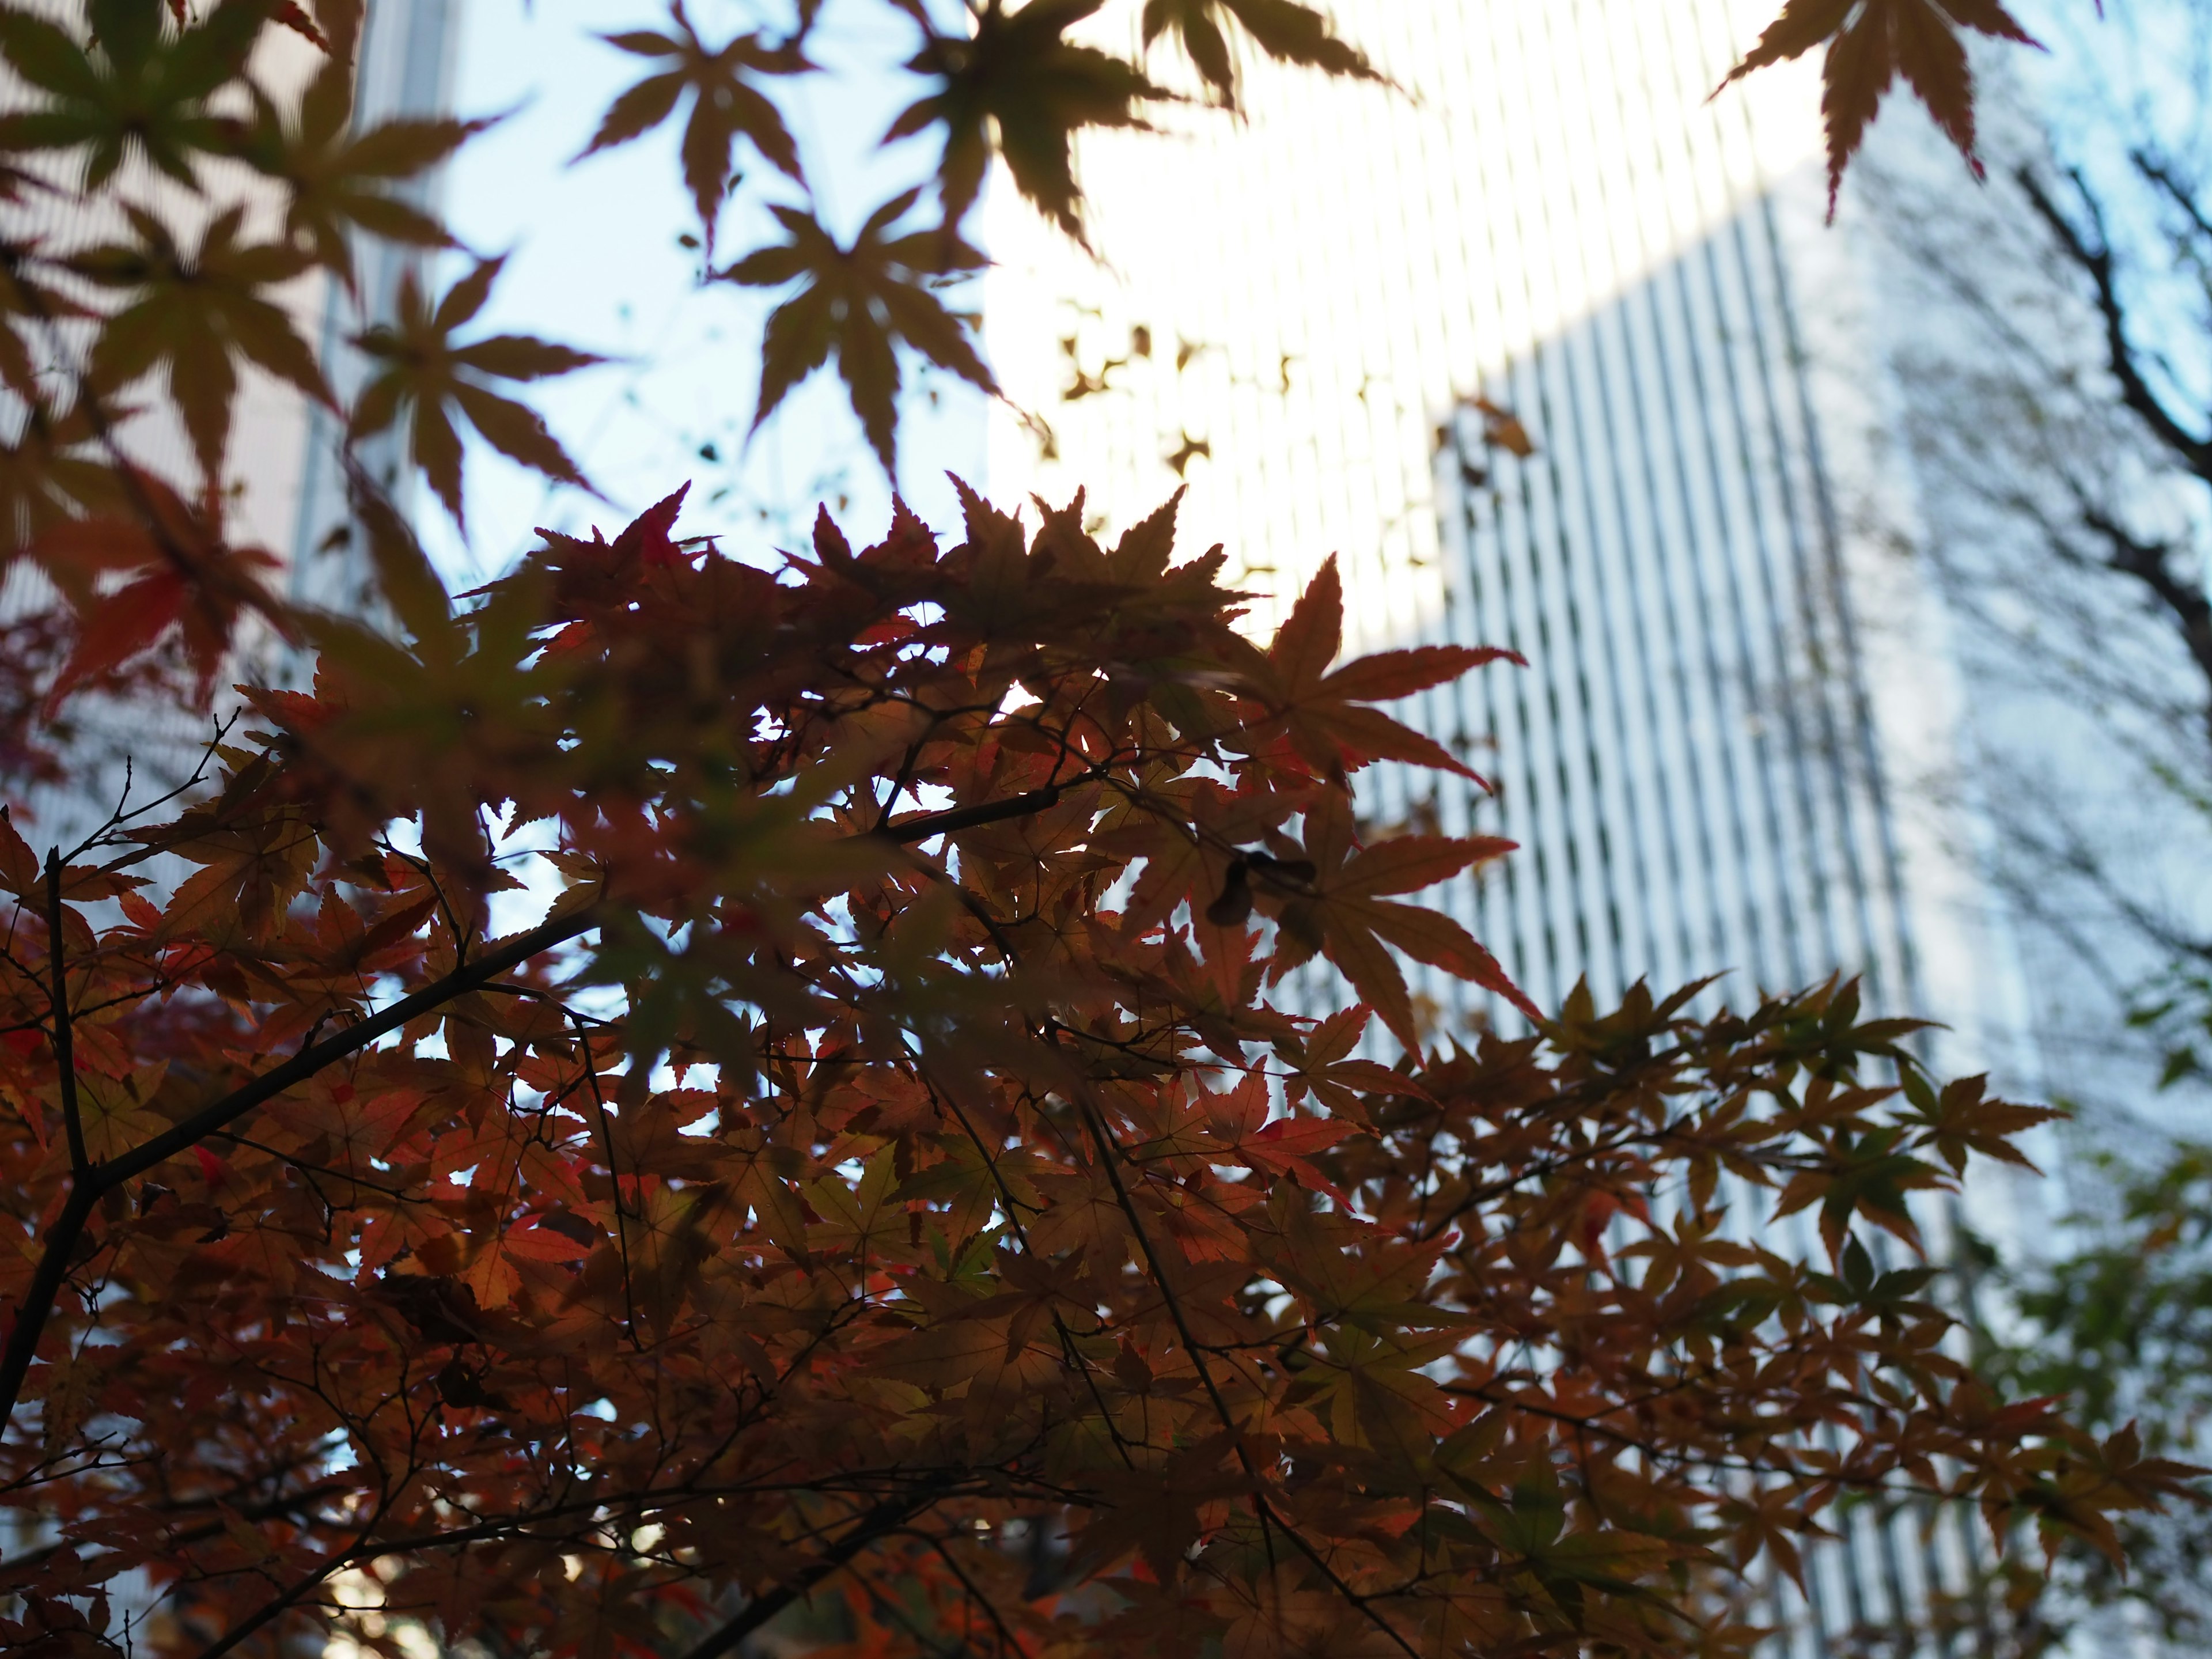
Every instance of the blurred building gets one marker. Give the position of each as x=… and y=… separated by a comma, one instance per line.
x=408, y=64
x=1553, y=349
x=285, y=492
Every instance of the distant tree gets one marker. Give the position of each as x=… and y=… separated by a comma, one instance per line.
x=676, y=1100
x=2120, y=1324
x=2056, y=421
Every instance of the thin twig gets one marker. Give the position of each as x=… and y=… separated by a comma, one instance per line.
x=64, y=1032
x=101, y=1178
x=1109, y=1154
x=889, y=1516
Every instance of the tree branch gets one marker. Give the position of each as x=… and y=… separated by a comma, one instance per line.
x=95, y=1180
x=2095, y=261
x=2147, y=562
x=102, y=1178
x=64, y=1032
x=2173, y=188
x=910, y=831
x=1110, y=1154
x=304, y=1065
x=887, y=1517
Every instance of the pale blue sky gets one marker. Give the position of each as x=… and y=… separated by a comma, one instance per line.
x=2134, y=74
x=596, y=263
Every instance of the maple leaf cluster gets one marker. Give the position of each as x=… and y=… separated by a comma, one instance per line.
x=783, y=1106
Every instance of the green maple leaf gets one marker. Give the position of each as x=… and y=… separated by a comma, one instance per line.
x=1019, y=77
x=130, y=90
x=423, y=371
x=860, y=302
x=1965, y=1120
x=1868, y=1176
x=342, y=180
x=725, y=105
x=1286, y=31
x=196, y=315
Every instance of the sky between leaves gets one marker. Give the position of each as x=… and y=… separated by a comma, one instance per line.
x=593, y=260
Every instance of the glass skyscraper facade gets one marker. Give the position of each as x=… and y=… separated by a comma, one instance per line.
x=407, y=69
x=1333, y=321
x=1299, y=318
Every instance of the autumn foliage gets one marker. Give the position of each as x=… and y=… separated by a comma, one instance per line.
x=866, y=1096
x=887, y=1136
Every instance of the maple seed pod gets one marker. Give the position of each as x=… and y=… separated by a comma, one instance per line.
x=1235, y=905
x=1296, y=874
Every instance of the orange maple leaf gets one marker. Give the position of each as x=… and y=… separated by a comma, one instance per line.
x=1326, y=718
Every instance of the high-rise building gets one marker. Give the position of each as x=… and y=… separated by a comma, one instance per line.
x=408, y=64
x=1553, y=349
x=1300, y=318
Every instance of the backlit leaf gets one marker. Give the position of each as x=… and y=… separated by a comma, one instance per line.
x=194, y=316
x=723, y=84
x=1870, y=43
x=859, y=304
x=138, y=90
x=1287, y=31
x=424, y=376
x=1017, y=84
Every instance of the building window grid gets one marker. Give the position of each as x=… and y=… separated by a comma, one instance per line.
x=1762, y=469
x=1534, y=382
x=1578, y=812
x=1679, y=759
x=1678, y=543
x=1630, y=726
x=1582, y=357
x=1877, y=1570
x=1740, y=552
x=1603, y=361
x=1866, y=828
x=1541, y=552
x=1515, y=779
x=1702, y=498
x=1643, y=765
